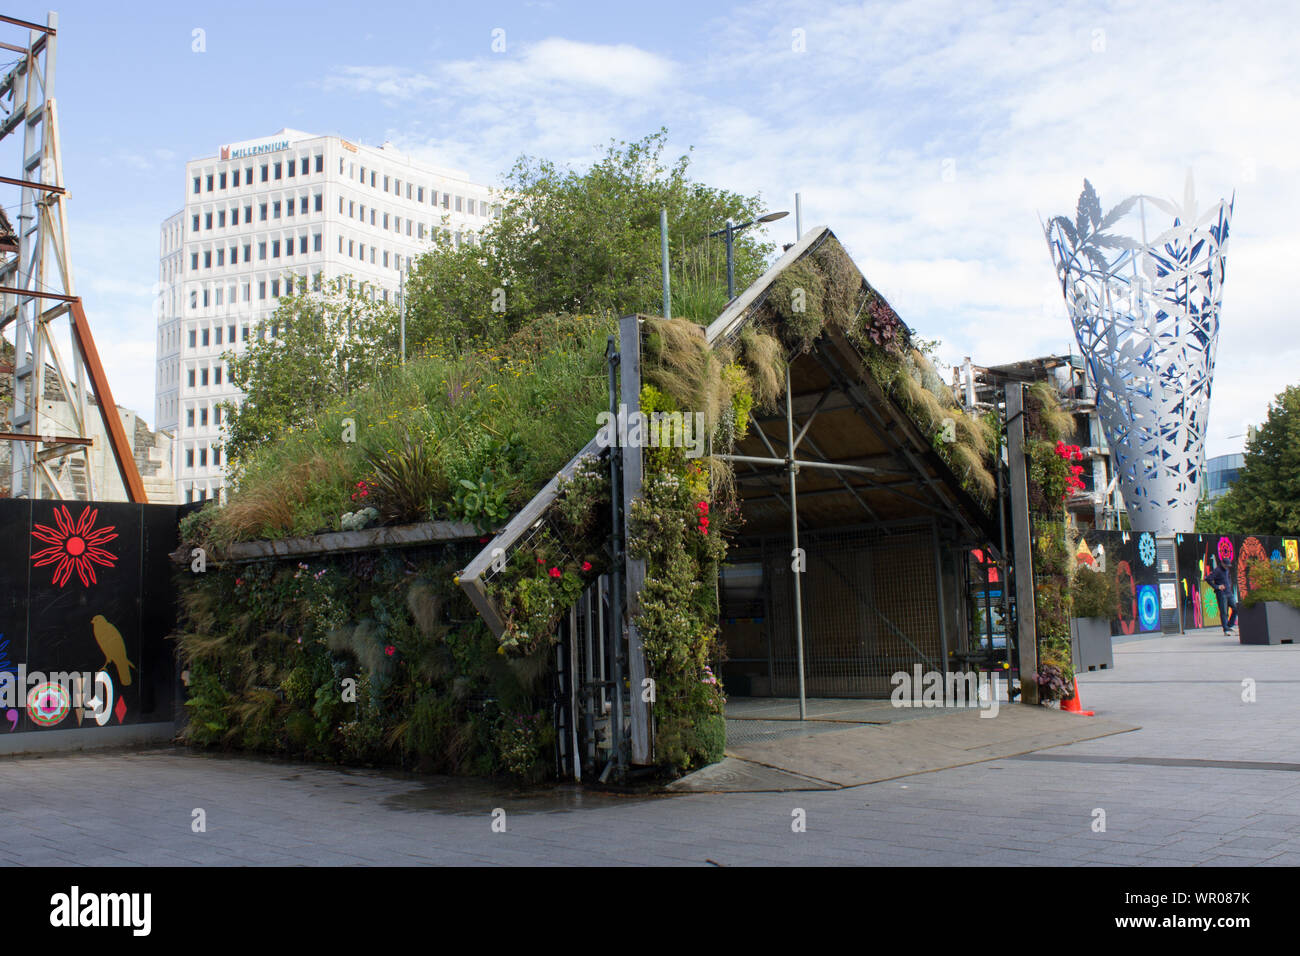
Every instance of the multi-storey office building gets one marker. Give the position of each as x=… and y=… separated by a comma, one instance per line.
x=259, y=217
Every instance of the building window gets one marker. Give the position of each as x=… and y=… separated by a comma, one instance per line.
x=191, y=378
x=221, y=261
x=350, y=253
x=316, y=242
x=288, y=246
x=196, y=184
x=320, y=202
x=385, y=184
x=230, y=329
x=385, y=220
x=221, y=219
x=420, y=194
x=320, y=163
x=277, y=170
x=223, y=181
x=234, y=216
x=207, y=220
x=194, y=300
x=216, y=452
x=205, y=298
x=234, y=261
x=203, y=417
x=203, y=376
x=458, y=204
x=234, y=177
x=372, y=216
x=275, y=288
x=292, y=163
x=209, y=182
x=189, y=418
x=261, y=212
x=261, y=250
x=203, y=463
x=216, y=375
x=302, y=205
x=261, y=289
x=194, y=335
x=275, y=210
x=189, y=458
x=302, y=245
x=194, y=262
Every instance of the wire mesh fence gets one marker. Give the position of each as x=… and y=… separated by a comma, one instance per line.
x=870, y=609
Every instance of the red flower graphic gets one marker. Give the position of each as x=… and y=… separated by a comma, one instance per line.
x=74, y=546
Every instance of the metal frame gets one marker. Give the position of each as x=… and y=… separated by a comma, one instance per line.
x=31, y=277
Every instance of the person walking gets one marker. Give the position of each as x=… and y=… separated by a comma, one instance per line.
x=1220, y=580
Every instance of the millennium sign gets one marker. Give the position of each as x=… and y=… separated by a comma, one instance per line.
x=243, y=151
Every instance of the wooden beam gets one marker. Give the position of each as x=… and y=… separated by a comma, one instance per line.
x=49, y=439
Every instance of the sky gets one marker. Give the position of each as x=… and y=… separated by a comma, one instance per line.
x=930, y=136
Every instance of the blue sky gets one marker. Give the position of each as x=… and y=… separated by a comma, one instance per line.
x=929, y=136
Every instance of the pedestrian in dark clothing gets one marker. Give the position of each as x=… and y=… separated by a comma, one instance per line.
x=1222, y=584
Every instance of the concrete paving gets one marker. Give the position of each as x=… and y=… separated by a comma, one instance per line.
x=1210, y=779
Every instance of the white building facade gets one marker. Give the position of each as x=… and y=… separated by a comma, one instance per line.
x=259, y=217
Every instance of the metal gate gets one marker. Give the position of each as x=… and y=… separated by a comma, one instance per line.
x=591, y=713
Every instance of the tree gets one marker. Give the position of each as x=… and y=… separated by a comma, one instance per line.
x=1265, y=498
x=322, y=345
x=580, y=243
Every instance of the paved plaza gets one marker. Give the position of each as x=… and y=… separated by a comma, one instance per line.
x=1209, y=779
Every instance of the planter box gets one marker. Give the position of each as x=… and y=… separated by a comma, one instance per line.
x=1269, y=622
x=1090, y=637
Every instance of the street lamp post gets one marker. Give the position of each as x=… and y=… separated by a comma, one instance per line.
x=730, y=230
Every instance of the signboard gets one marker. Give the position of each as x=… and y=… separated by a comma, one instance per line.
x=257, y=149
x=1168, y=595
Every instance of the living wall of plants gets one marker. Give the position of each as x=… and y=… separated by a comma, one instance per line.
x=1054, y=472
x=371, y=658
x=378, y=657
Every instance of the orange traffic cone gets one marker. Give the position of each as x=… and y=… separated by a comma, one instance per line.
x=1071, y=706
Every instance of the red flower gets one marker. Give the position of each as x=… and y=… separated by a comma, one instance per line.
x=239, y=582
x=586, y=565
x=390, y=650
x=541, y=560
x=555, y=572
x=74, y=546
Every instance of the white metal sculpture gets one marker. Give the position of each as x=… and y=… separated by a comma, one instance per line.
x=1146, y=315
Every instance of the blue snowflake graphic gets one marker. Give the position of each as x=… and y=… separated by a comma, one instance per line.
x=1147, y=548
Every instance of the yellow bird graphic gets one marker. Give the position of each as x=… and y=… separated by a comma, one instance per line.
x=110, y=642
